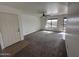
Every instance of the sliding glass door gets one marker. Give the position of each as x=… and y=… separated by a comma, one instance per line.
x=51, y=24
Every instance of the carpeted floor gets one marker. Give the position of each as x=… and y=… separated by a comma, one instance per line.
x=44, y=44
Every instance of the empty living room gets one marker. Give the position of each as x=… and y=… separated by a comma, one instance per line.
x=39, y=29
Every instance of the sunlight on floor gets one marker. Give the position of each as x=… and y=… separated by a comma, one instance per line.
x=63, y=35
x=47, y=31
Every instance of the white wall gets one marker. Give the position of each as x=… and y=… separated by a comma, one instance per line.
x=72, y=37
x=60, y=24
x=11, y=10
x=43, y=22
x=30, y=23
x=72, y=30
x=73, y=8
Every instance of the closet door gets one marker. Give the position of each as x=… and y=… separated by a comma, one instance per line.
x=9, y=28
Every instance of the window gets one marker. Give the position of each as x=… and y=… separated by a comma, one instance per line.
x=51, y=23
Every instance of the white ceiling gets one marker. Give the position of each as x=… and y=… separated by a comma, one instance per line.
x=52, y=8
x=73, y=8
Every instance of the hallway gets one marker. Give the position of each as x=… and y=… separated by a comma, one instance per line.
x=44, y=44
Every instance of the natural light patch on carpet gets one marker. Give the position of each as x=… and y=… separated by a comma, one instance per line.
x=47, y=31
x=63, y=35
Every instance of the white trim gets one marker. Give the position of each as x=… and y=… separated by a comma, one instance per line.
x=1, y=41
x=21, y=27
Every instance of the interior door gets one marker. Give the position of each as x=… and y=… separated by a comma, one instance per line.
x=9, y=28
